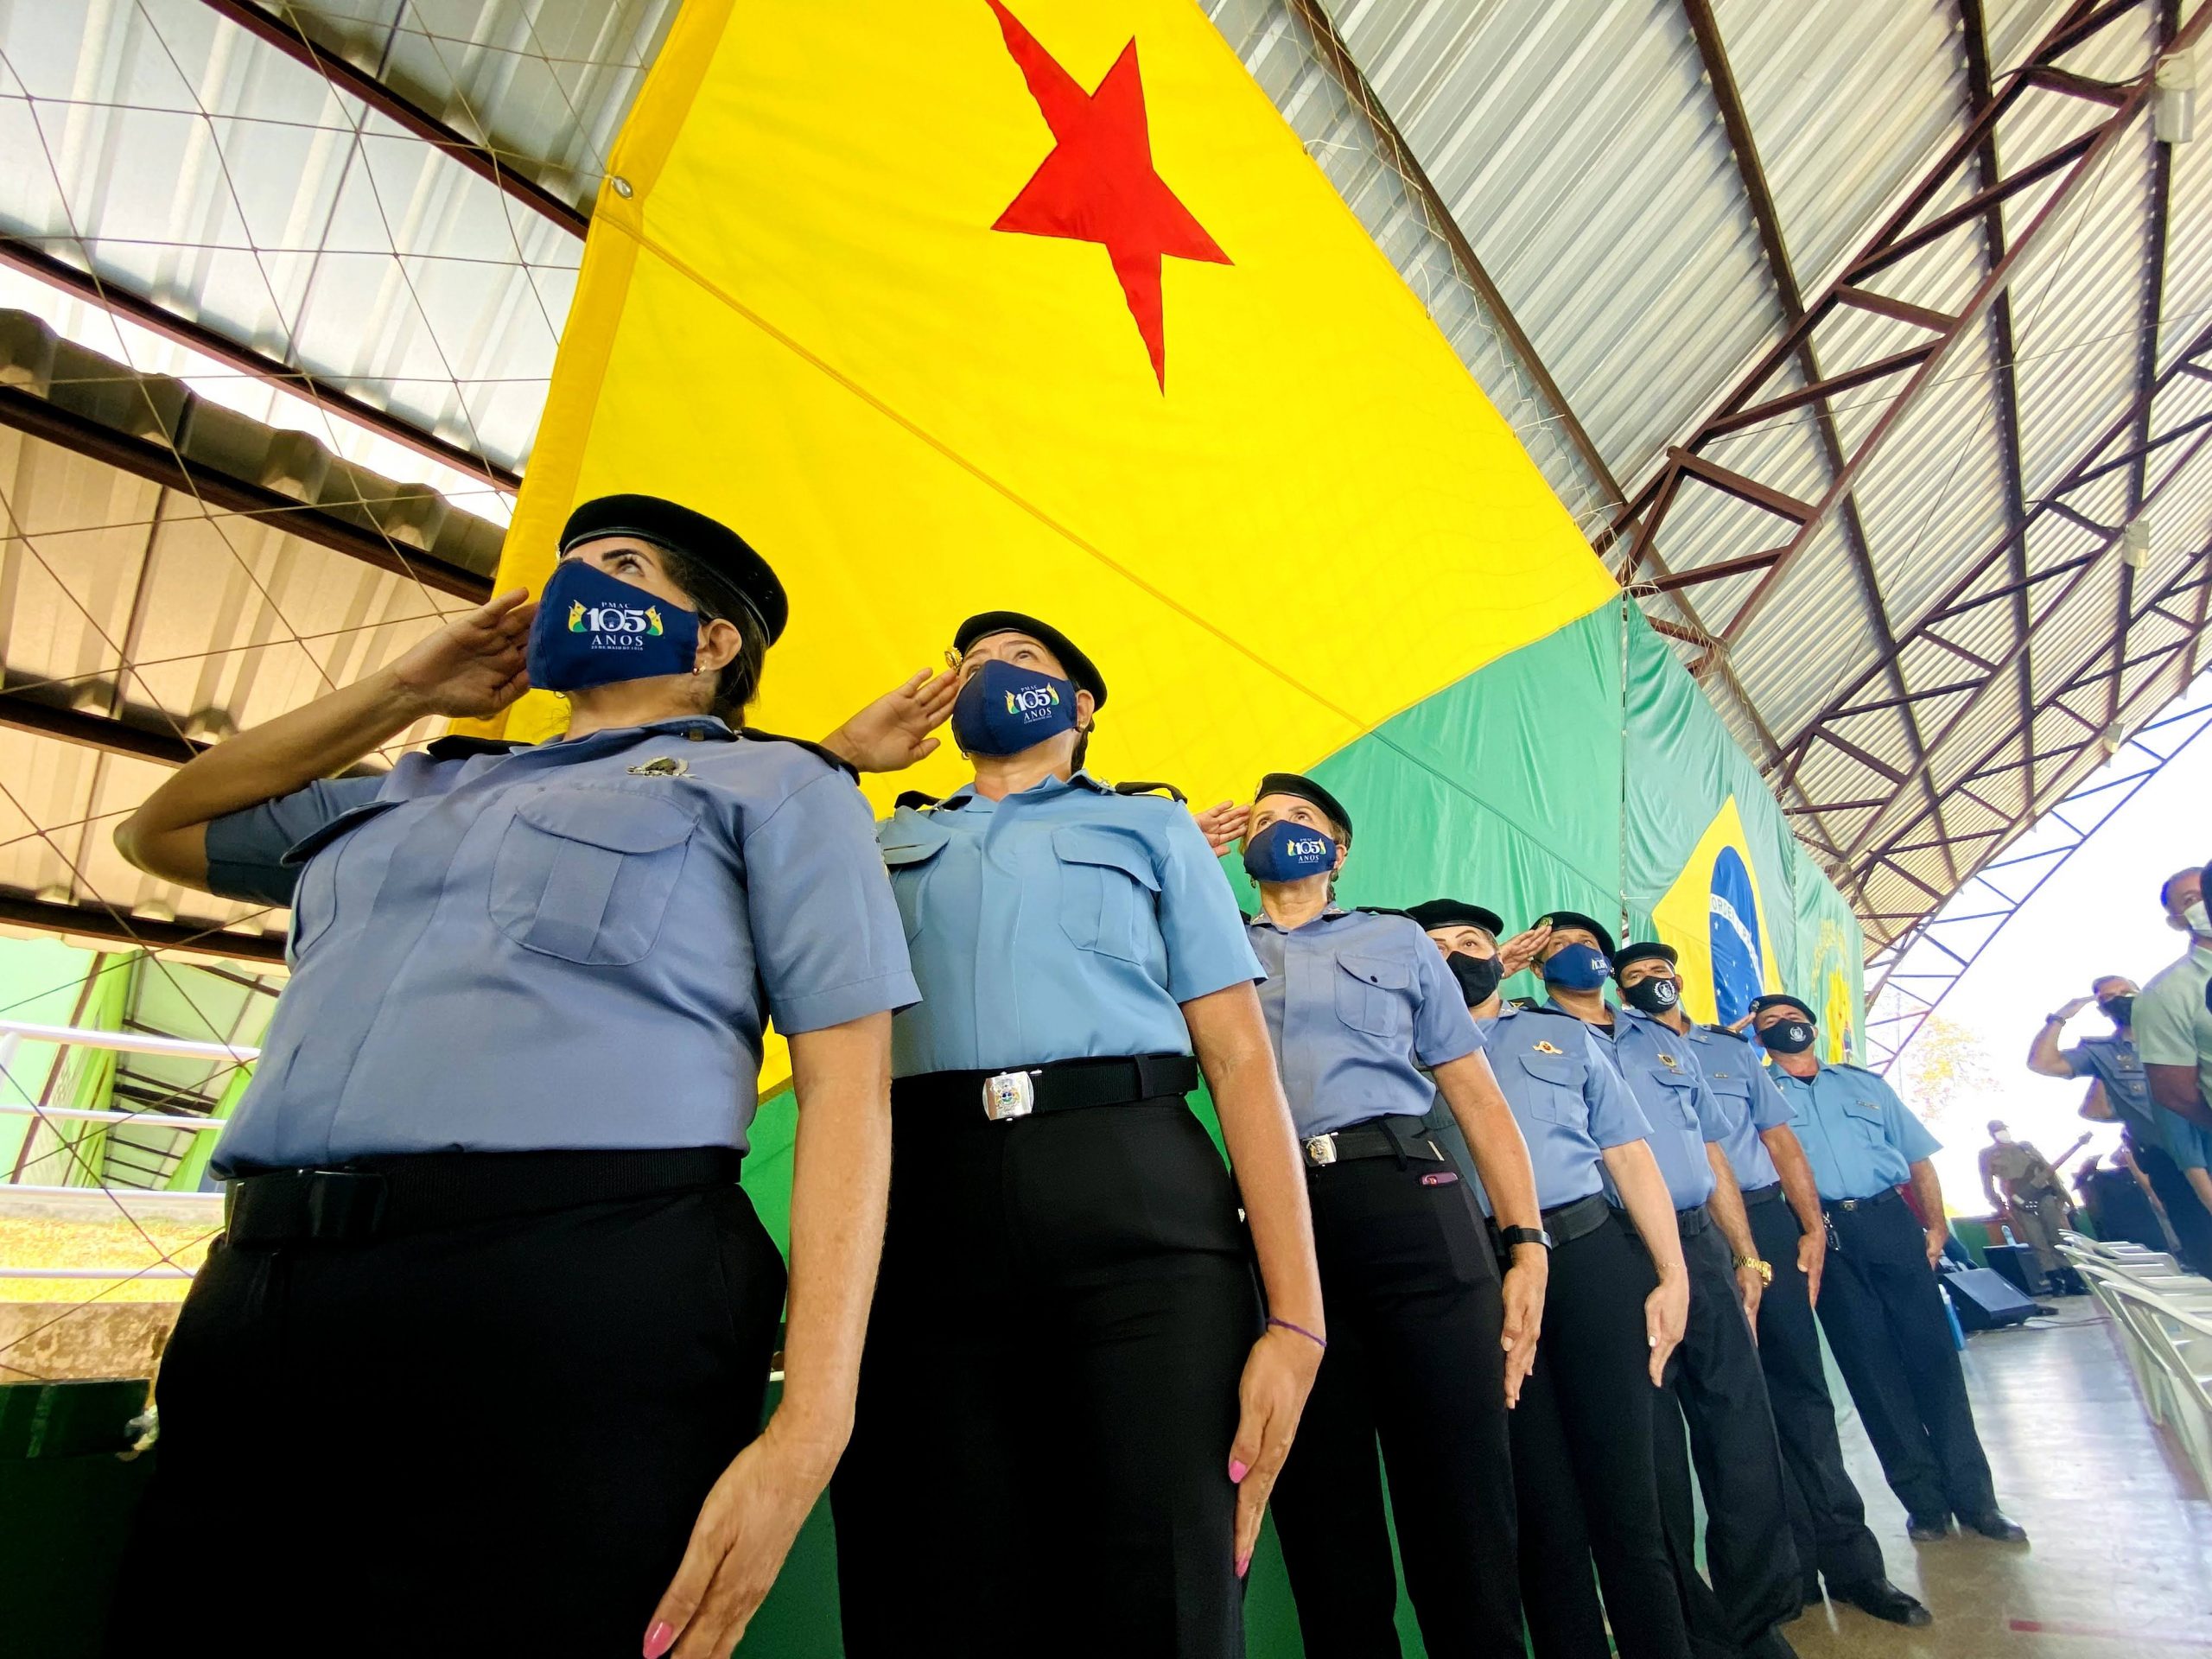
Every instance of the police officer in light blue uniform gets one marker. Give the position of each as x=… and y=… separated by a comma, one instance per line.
x=1429, y=1347
x=1582, y=1434
x=1716, y=1383
x=488, y=1292
x=1050, y=1453
x=1826, y=1516
x=1879, y=1301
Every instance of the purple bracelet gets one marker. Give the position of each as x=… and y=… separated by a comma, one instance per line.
x=1285, y=1323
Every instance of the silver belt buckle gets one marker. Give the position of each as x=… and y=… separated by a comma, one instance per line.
x=1321, y=1149
x=1010, y=1094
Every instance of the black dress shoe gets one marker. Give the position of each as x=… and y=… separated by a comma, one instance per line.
x=1992, y=1523
x=1927, y=1528
x=1881, y=1598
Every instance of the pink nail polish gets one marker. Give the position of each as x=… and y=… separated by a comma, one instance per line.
x=1244, y=1564
x=660, y=1639
x=1237, y=1469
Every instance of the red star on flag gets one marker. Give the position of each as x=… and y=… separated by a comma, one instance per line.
x=1098, y=184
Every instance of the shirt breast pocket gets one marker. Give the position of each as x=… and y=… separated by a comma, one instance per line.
x=1866, y=1117
x=585, y=874
x=317, y=855
x=1679, y=1091
x=1108, y=892
x=910, y=856
x=1557, y=1096
x=1374, y=995
x=1733, y=1093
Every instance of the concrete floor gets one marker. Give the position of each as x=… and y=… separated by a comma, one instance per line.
x=2120, y=1561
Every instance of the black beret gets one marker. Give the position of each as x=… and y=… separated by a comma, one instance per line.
x=1641, y=950
x=1783, y=999
x=708, y=543
x=1576, y=918
x=1081, y=670
x=1452, y=912
x=1292, y=782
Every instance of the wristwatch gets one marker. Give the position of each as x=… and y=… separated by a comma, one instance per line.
x=2054, y=1019
x=1766, y=1269
x=1511, y=1235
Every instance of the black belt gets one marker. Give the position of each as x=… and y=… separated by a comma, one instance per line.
x=1398, y=1136
x=1057, y=1086
x=373, y=1198
x=1567, y=1222
x=1693, y=1221
x=1888, y=1195
x=1771, y=1193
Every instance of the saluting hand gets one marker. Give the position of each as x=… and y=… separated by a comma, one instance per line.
x=1739, y=1025
x=1223, y=825
x=1666, y=1315
x=893, y=733
x=1525, y=1282
x=1278, y=1376
x=738, y=1544
x=1519, y=951
x=475, y=664
x=2068, y=1010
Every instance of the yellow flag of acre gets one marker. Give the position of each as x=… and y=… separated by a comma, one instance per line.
x=956, y=305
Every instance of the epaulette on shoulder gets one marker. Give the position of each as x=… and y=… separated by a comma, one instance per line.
x=1381, y=910
x=919, y=800
x=1168, y=790
x=1847, y=1065
x=835, y=760
x=1529, y=1005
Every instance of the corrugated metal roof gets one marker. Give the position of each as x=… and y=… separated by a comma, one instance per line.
x=1583, y=148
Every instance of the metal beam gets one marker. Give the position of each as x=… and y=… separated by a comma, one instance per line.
x=89, y=731
x=160, y=464
x=1954, y=601
x=366, y=88
x=104, y=292
x=2071, y=171
x=1736, y=122
x=94, y=922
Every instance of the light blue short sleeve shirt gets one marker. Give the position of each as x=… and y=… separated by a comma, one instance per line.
x=1567, y=1096
x=1859, y=1138
x=1748, y=1099
x=1663, y=1073
x=1358, y=1005
x=2114, y=1062
x=570, y=945
x=1064, y=922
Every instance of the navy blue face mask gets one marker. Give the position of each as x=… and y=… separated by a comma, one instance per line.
x=593, y=629
x=1787, y=1037
x=1578, y=968
x=1005, y=708
x=1288, y=852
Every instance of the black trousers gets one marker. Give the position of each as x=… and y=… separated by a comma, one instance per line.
x=1582, y=1463
x=1826, y=1516
x=1410, y=1284
x=1714, y=1381
x=1041, y=1459
x=486, y=1440
x=2192, y=1222
x=1883, y=1314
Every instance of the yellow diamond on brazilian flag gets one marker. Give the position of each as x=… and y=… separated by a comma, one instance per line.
x=1039, y=305
x=1715, y=917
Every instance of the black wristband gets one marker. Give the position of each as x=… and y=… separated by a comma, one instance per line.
x=1511, y=1235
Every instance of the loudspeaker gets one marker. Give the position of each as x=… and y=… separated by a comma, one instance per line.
x=1984, y=1300
x=2018, y=1263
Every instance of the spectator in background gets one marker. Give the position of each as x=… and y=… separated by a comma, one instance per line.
x=2025, y=1191
x=2174, y=1019
x=2122, y=1094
